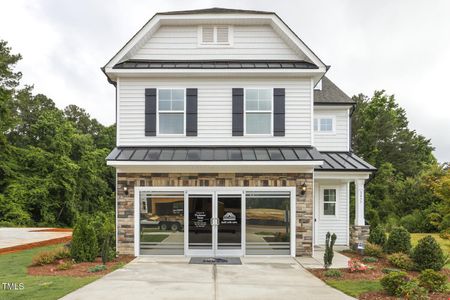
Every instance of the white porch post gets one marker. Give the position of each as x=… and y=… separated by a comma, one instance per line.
x=359, y=202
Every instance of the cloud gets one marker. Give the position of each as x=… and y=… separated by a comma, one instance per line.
x=400, y=46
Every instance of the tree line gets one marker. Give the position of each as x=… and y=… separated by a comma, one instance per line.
x=53, y=169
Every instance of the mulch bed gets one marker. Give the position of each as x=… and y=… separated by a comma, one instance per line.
x=375, y=274
x=80, y=269
x=36, y=244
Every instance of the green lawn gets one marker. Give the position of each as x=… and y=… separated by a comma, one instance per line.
x=153, y=238
x=355, y=288
x=445, y=244
x=13, y=268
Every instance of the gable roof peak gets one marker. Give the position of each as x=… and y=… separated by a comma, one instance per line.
x=214, y=10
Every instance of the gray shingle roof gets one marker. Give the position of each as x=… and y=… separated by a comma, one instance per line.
x=215, y=10
x=206, y=64
x=330, y=94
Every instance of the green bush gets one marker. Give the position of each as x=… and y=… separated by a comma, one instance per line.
x=333, y=273
x=105, y=225
x=370, y=259
x=393, y=282
x=389, y=270
x=43, y=258
x=445, y=234
x=373, y=250
x=412, y=222
x=412, y=291
x=377, y=236
x=433, y=281
x=401, y=260
x=399, y=240
x=428, y=254
x=84, y=246
x=445, y=222
x=330, y=239
x=97, y=268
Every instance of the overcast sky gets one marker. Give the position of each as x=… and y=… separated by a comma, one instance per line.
x=400, y=46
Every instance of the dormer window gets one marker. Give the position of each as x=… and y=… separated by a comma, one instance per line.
x=215, y=35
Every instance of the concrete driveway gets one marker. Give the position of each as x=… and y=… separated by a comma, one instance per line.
x=173, y=278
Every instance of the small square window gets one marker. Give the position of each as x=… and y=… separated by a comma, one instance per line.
x=322, y=124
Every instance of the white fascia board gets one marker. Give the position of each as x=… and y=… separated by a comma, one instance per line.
x=333, y=107
x=342, y=175
x=214, y=167
x=215, y=163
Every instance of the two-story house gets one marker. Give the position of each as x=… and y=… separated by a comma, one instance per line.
x=230, y=140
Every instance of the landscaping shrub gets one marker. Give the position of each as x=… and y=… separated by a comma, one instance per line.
x=328, y=255
x=61, y=253
x=370, y=259
x=377, y=236
x=389, y=270
x=393, y=282
x=433, y=281
x=105, y=225
x=412, y=291
x=84, y=246
x=97, y=268
x=445, y=222
x=43, y=258
x=428, y=254
x=401, y=260
x=373, y=250
x=66, y=265
x=399, y=240
x=355, y=265
x=445, y=234
x=333, y=273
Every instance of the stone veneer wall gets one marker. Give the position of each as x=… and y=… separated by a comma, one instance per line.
x=358, y=235
x=125, y=203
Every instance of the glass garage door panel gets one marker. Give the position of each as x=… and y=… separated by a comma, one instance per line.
x=161, y=223
x=230, y=217
x=200, y=229
x=268, y=223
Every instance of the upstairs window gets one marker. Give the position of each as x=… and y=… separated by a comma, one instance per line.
x=171, y=103
x=258, y=111
x=215, y=35
x=324, y=124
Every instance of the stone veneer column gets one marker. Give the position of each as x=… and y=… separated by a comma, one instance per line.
x=358, y=235
x=304, y=203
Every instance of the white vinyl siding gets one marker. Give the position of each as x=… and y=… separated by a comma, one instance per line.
x=214, y=111
x=338, y=138
x=338, y=223
x=248, y=42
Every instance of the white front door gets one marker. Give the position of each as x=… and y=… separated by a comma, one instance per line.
x=214, y=223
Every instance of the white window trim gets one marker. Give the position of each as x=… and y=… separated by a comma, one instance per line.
x=169, y=111
x=215, y=44
x=322, y=202
x=318, y=118
x=258, y=111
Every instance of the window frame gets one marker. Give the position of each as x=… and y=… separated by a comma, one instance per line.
x=321, y=117
x=258, y=111
x=322, y=202
x=214, y=44
x=158, y=133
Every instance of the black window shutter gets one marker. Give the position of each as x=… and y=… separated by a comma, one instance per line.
x=278, y=112
x=238, y=112
x=191, y=112
x=150, y=112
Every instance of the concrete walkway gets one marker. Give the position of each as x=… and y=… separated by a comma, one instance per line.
x=11, y=237
x=173, y=278
x=340, y=261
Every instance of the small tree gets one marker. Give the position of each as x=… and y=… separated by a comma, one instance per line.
x=84, y=246
x=377, y=236
x=328, y=255
x=428, y=254
x=399, y=241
